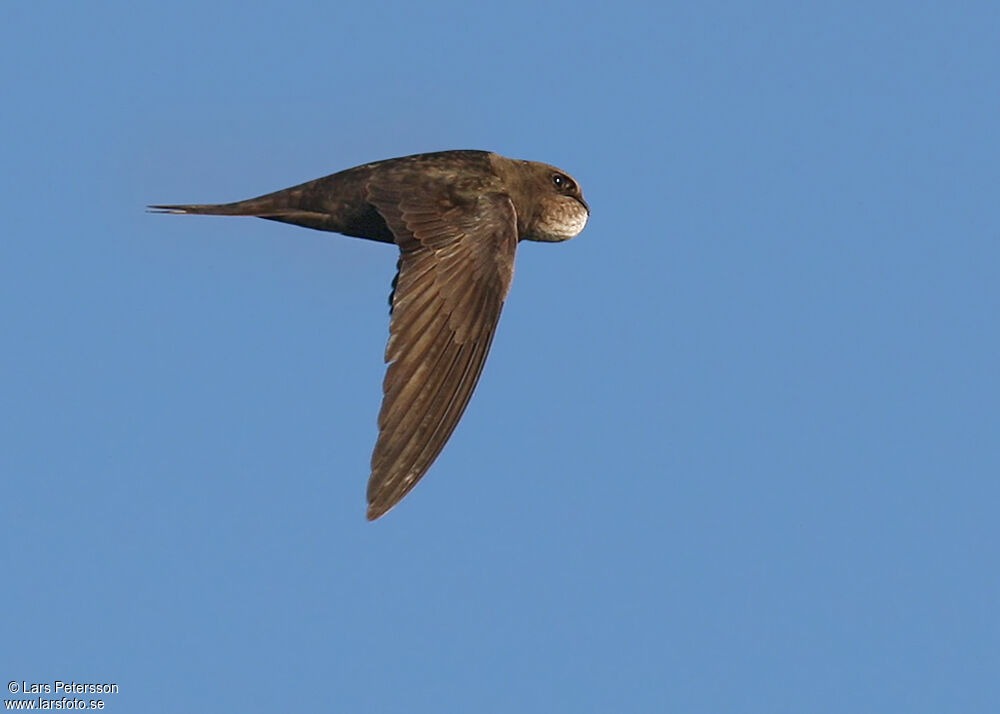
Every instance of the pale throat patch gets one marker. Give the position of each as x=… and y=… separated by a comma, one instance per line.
x=562, y=219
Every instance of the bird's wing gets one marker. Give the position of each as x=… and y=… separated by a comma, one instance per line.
x=455, y=267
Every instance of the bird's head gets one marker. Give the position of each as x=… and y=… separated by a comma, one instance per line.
x=560, y=211
x=548, y=201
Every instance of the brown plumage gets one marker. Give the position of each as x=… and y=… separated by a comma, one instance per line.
x=457, y=217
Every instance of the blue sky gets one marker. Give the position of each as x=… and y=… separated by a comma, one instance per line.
x=735, y=448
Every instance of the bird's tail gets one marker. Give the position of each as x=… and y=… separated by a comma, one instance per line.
x=263, y=207
x=288, y=206
x=333, y=203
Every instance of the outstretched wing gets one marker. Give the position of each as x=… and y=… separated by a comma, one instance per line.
x=455, y=268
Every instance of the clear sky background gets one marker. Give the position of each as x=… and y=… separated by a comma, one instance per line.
x=735, y=448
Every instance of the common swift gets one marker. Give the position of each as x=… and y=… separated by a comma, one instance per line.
x=457, y=217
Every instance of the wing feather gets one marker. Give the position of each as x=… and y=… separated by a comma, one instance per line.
x=456, y=266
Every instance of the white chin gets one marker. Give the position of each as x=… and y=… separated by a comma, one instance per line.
x=563, y=224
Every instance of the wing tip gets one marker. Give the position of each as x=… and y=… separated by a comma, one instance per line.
x=377, y=510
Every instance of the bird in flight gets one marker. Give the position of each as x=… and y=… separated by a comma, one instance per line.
x=457, y=217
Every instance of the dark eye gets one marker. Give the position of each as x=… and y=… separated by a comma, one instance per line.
x=563, y=183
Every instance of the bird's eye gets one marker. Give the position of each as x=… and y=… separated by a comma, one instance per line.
x=562, y=182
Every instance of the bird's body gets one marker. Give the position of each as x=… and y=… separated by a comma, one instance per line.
x=457, y=217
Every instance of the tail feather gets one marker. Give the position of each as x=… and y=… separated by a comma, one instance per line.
x=336, y=203
x=191, y=208
x=273, y=207
x=253, y=207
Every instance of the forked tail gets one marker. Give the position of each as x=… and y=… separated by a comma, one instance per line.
x=336, y=203
x=252, y=207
